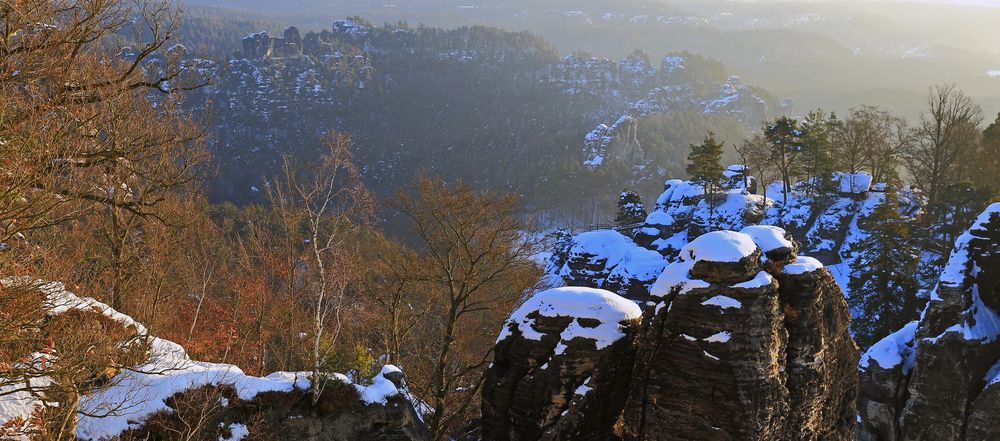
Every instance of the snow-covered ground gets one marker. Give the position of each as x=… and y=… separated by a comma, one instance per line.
x=139, y=392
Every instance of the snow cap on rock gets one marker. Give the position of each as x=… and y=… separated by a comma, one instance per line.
x=606, y=307
x=719, y=246
x=768, y=237
x=803, y=265
x=773, y=241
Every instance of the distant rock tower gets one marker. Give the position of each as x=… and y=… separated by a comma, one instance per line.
x=619, y=142
x=256, y=45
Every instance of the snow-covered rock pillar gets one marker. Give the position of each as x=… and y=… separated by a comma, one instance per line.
x=736, y=346
x=561, y=367
x=709, y=360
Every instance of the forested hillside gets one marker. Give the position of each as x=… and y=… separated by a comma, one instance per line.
x=498, y=109
x=829, y=54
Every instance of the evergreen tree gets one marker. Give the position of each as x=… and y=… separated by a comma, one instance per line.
x=705, y=162
x=705, y=168
x=631, y=210
x=883, y=283
x=818, y=150
x=785, y=139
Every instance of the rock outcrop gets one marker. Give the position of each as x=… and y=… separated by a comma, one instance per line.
x=342, y=413
x=163, y=394
x=609, y=260
x=619, y=142
x=734, y=349
x=732, y=345
x=561, y=367
x=939, y=378
x=828, y=227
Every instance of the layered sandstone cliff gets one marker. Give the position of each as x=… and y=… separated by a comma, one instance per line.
x=939, y=378
x=739, y=339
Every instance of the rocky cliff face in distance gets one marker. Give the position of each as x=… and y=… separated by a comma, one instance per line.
x=939, y=378
x=740, y=339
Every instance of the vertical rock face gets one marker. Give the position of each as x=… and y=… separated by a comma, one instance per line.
x=561, y=367
x=734, y=351
x=709, y=361
x=731, y=346
x=938, y=378
x=820, y=356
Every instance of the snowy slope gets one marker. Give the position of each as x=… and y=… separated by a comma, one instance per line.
x=143, y=390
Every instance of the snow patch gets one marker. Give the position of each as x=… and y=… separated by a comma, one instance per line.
x=677, y=276
x=768, y=237
x=802, y=265
x=237, y=431
x=761, y=280
x=606, y=307
x=719, y=246
x=895, y=349
x=723, y=302
x=721, y=337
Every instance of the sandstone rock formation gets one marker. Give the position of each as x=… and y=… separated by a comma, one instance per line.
x=561, y=367
x=939, y=378
x=738, y=350
x=341, y=414
x=830, y=227
x=162, y=394
x=619, y=142
x=732, y=346
x=609, y=260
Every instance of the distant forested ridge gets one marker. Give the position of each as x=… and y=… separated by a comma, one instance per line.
x=497, y=109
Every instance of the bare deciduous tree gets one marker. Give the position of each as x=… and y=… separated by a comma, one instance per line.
x=476, y=266
x=948, y=127
x=332, y=202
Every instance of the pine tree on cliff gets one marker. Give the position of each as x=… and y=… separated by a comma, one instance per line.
x=785, y=141
x=631, y=210
x=884, y=285
x=705, y=168
x=818, y=150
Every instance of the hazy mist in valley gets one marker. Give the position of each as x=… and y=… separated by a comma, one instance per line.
x=833, y=55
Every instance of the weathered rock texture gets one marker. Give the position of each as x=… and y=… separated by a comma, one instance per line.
x=550, y=380
x=164, y=395
x=711, y=372
x=736, y=352
x=938, y=379
x=820, y=357
x=339, y=415
x=729, y=348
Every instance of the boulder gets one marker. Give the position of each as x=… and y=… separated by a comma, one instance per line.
x=561, y=367
x=609, y=260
